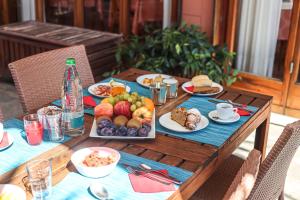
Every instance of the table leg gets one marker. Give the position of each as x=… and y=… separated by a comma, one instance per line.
x=261, y=137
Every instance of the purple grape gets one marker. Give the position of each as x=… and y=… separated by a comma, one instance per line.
x=132, y=132
x=147, y=127
x=107, y=131
x=122, y=131
x=104, y=123
x=143, y=132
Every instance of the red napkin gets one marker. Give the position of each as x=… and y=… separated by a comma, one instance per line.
x=145, y=185
x=190, y=88
x=4, y=142
x=242, y=112
x=89, y=101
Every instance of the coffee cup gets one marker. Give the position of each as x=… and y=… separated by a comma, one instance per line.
x=225, y=111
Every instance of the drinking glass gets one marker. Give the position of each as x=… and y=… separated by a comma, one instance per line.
x=40, y=178
x=53, y=123
x=33, y=128
x=158, y=93
x=172, y=87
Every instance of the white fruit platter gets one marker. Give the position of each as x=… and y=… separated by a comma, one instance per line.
x=151, y=134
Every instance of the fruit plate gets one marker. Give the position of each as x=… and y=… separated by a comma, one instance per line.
x=10, y=191
x=189, y=84
x=166, y=121
x=92, y=88
x=140, y=79
x=151, y=134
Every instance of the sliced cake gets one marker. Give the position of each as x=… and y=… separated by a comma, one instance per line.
x=187, y=118
x=179, y=115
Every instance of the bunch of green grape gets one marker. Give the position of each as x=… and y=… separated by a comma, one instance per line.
x=134, y=98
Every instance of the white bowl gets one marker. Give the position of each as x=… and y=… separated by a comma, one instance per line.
x=94, y=172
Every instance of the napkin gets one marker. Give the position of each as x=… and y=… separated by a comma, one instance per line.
x=89, y=101
x=190, y=88
x=242, y=112
x=145, y=185
x=4, y=142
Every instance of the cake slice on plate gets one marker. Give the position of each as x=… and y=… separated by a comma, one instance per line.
x=187, y=118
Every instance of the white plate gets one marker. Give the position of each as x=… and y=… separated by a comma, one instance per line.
x=151, y=134
x=166, y=121
x=10, y=141
x=140, y=79
x=188, y=84
x=233, y=119
x=91, y=89
x=13, y=191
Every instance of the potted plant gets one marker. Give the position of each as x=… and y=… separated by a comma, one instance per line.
x=182, y=51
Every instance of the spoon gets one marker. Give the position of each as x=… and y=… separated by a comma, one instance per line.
x=99, y=191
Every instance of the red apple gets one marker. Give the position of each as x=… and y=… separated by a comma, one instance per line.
x=122, y=108
x=104, y=109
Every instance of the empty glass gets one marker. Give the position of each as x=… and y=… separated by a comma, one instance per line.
x=172, y=87
x=158, y=93
x=54, y=128
x=40, y=178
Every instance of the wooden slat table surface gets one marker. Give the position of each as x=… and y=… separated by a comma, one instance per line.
x=202, y=159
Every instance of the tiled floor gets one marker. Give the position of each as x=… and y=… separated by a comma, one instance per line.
x=9, y=102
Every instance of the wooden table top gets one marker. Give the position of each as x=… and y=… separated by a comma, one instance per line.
x=202, y=159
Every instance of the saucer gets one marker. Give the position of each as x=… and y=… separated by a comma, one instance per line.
x=7, y=140
x=213, y=115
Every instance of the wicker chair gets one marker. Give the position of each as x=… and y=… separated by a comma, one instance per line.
x=38, y=78
x=271, y=176
x=1, y=116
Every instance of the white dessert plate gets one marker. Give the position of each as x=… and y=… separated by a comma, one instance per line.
x=140, y=79
x=213, y=115
x=151, y=134
x=92, y=88
x=189, y=84
x=166, y=121
x=10, y=191
x=10, y=142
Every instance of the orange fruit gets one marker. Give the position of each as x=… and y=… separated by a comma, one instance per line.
x=149, y=104
x=105, y=100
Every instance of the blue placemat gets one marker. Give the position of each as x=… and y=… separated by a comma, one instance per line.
x=135, y=87
x=75, y=186
x=214, y=134
x=20, y=151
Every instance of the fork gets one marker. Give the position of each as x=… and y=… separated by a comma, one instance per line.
x=138, y=173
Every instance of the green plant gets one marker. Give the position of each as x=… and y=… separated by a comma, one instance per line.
x=182, y=51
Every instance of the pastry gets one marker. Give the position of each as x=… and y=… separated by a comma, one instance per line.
x=187, y=118
x=201, y=81
x=193, y=118
x=179, y=115
x=206, y=90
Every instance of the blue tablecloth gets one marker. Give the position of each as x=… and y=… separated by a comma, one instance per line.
x=214, y=134
x=20, y=151
x=75, y=186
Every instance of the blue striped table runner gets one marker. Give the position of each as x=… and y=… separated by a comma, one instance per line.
x=75, y=186
x=20, y=151
x=214, y=134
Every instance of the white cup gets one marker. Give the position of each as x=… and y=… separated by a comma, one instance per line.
x=225, y=111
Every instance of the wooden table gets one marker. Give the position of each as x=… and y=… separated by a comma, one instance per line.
x=19, y=40
x=202, y=159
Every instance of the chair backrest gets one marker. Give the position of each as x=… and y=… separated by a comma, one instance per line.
x=244, y=180
x=38, y=78
x=273, y=170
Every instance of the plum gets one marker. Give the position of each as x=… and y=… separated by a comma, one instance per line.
x=121, y=131
x=104, y=123
x=147, y=126
x=132, y=132
x=143, y=132
x=107, y=131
